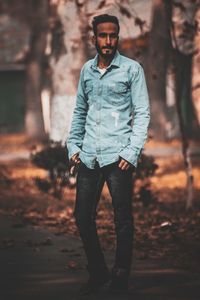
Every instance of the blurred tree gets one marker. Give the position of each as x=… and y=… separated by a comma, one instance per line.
x=184, y=29
x=158, y=60
x=34, y=68
x=196, y=68
x=67, y=53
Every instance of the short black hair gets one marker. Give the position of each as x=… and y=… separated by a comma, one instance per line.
x=104, y=19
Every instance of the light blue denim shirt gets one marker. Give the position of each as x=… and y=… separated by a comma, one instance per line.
x=112, y=115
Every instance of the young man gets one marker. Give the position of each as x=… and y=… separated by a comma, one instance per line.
x=108, y=132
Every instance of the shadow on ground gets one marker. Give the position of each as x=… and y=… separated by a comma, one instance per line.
x=37, y=264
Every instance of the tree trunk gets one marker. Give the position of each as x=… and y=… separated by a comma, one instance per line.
x=183, y=91
x=183, y=32
x=158, y=57
x=34, y=120
x=84, y=27
x=67, y=65
x=196, y=70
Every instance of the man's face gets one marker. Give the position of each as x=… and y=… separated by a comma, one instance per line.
x=106, y=40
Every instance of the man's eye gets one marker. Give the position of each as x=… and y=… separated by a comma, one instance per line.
x=102, y=35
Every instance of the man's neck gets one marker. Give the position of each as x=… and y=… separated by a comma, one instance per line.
x=104, y=62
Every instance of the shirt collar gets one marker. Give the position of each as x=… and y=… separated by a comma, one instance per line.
x=115, y=61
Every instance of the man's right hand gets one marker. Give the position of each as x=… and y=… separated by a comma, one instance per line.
x=75, y=160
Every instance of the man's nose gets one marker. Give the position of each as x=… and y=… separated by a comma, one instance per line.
x=108, y=41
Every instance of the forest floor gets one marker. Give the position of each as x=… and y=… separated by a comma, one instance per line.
x=40, y=228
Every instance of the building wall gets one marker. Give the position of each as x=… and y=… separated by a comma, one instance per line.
x=14, y=44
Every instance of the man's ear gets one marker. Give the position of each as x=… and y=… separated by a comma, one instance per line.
x=94, y=38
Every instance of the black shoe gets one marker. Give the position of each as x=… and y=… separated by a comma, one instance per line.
x=93, y=285
x=119, y=281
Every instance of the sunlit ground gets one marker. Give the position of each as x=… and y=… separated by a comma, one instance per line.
x=171, y=174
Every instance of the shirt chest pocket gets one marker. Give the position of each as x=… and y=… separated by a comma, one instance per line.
x=118, y=92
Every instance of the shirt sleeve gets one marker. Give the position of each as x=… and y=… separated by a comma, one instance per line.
x=77, y=130
x=141, y=117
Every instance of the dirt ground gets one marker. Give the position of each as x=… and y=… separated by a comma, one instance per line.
x=38, y=264
x=164, y=229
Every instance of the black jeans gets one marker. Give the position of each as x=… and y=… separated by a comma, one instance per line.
x=89, y=184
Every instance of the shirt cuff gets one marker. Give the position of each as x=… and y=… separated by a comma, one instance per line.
x=72, y=149
x=131, y=155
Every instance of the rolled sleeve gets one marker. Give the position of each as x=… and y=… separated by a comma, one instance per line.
x=141, y=117
x=72, y=150
x=77, y=131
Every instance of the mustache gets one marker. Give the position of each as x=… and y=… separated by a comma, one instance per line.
x=107, y=47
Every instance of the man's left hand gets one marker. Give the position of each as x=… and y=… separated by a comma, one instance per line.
x=124, y=165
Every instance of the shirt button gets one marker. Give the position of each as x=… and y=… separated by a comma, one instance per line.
x=98, y=106
x=99, y=90
x=98, y=121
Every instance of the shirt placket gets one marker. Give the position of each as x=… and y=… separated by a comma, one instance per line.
x=98, y=120
x=99, y=91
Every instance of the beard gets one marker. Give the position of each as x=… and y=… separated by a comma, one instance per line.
x=106, y=55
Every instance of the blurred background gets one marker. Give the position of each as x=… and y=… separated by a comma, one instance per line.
x=43, y=45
